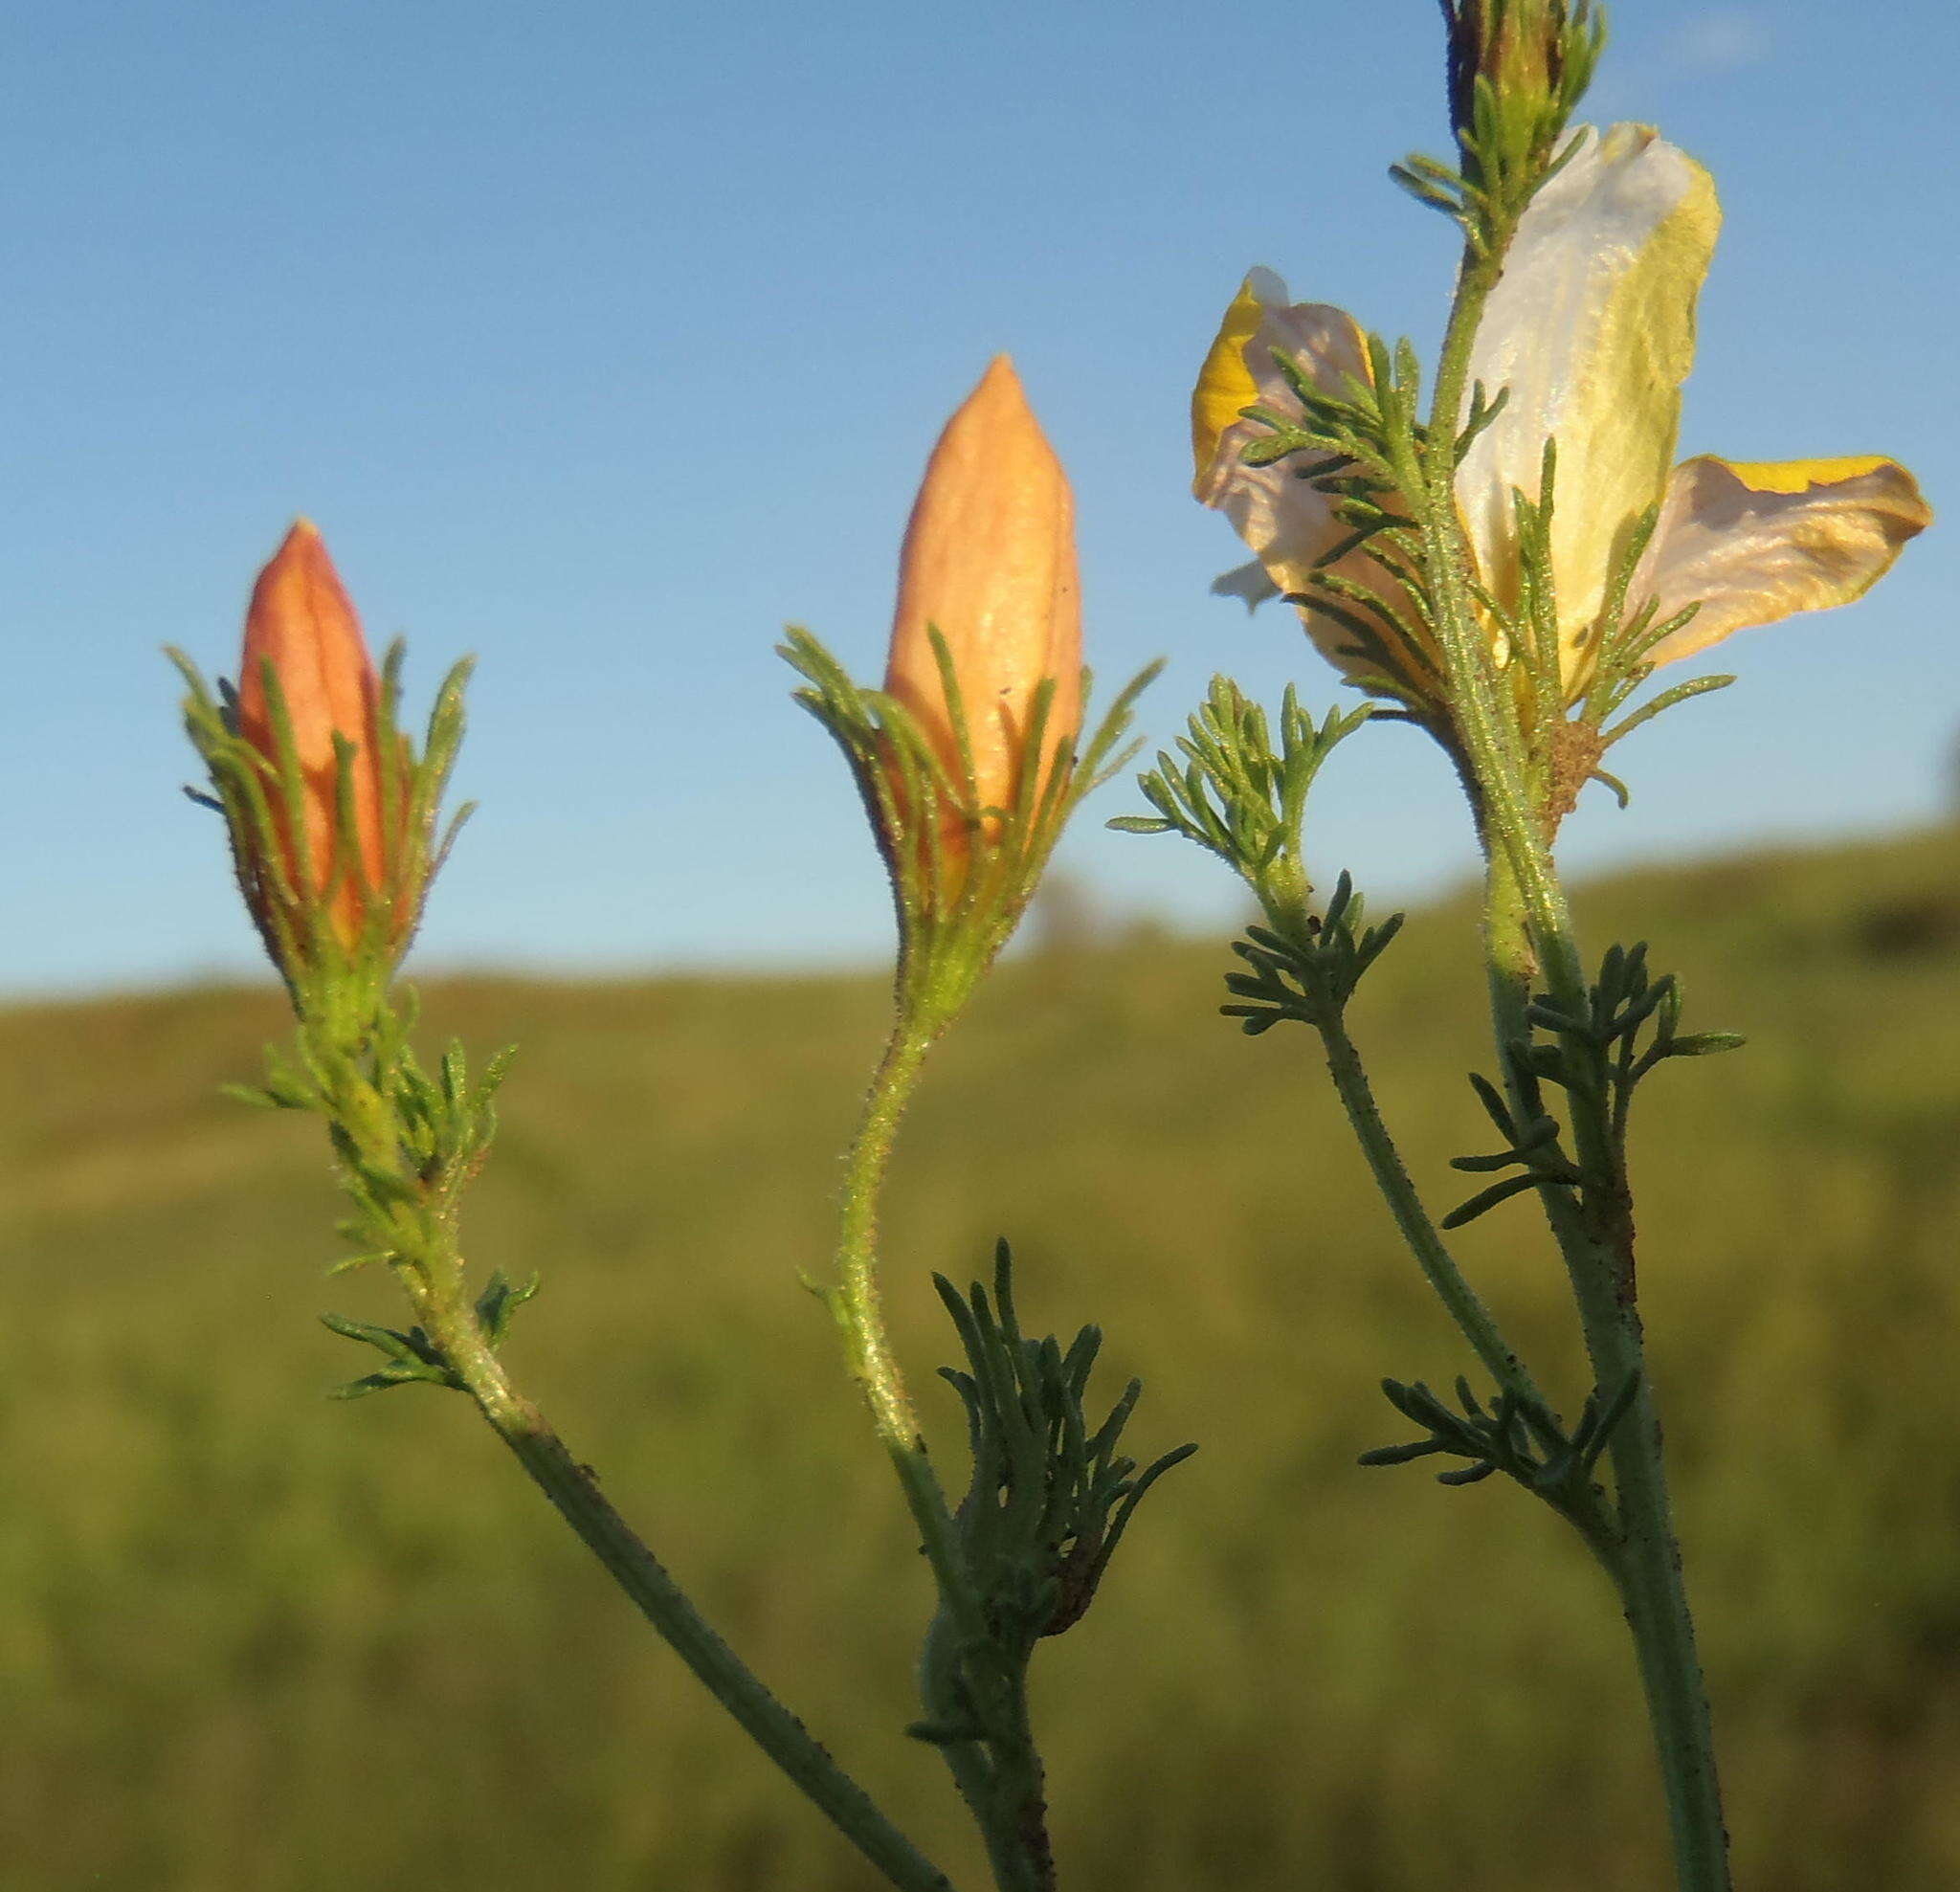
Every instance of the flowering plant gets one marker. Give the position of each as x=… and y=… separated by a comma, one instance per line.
x=1505, y=554
x=1507, y=568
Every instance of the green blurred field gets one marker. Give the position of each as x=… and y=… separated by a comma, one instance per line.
x=253, y=1641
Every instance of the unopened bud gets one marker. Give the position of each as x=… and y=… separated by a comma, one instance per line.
x=1534, y=56
x=301, y=627
x=990, y=561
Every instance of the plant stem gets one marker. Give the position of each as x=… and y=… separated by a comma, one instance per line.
x=856, y=1304
x=1530, y=935
x=1597, y=1243
x=574, y=1491
x=1438, y=1266
x=854, y=1300
x=1001, y=1778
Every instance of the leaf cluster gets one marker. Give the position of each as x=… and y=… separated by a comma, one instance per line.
x=1631, y=1023
x=407, y=1143
x=411, y=1354
x=1517, y=1435
x=1021, y=1557
x=1051, y=1496
x=1240, y=795
x=1530, y=1142
x=1306, y=974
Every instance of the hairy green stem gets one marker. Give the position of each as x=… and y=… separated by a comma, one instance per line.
x=1477, y=278
x=854, y=1300
x=1645, y=1559
x=1530, y=935
x=1392, y=1177
x=856, y=1305
x=1003, y=1787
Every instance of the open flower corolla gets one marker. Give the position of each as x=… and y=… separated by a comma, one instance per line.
x=1588, y=332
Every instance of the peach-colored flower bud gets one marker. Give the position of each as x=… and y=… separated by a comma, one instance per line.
x=990, y=560
x=302, y=623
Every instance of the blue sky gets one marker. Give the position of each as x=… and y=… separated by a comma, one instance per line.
x=600, y=340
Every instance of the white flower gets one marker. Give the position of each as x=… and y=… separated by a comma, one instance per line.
x=1590, y=332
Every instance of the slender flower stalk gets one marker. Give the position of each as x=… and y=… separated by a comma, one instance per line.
x=970, y=777
x=1530, y=940
x=969, y=761
x=458, y=1343
x=985, y=661
x=1645, y=1558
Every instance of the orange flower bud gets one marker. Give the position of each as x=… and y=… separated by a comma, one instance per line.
x=990, y=561
x=302, y=623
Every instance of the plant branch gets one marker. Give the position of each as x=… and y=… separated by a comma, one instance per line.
x=1594, y=1233
x=574, y=1493
x=996, y=1767
x=1392, y=1177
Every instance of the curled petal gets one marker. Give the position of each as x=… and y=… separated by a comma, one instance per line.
x=1282, y=518
x=1590, y=331
x=1750, y=541
x=1289, y=525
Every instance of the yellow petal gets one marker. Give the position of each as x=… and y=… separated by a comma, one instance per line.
x=1752, y=540
x=1591, y=330
x=1225, y=383
x=1801, y=475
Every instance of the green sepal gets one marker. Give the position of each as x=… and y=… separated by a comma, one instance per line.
x=262, y=798
x=956, y=908
x=348, y=1263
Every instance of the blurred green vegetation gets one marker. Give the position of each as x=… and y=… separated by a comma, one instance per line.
x=252, y=1641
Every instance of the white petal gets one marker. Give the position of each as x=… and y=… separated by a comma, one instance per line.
x=1590, y=332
